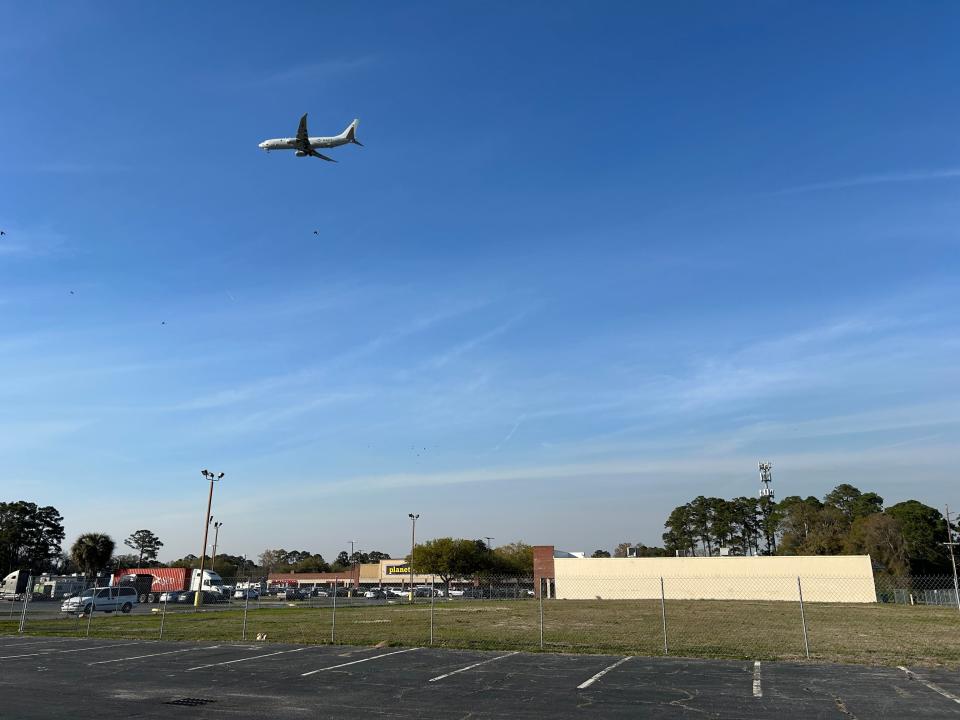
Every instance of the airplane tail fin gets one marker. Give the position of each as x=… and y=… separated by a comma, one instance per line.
x=350, y=133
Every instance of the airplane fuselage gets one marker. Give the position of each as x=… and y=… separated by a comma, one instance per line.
x=291, y=143
x=305, y=146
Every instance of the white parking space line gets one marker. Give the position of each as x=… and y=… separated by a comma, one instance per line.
x=52, y=641
x=354, y=662
x=587, y=683
x=471, y=667
x=252, y=657
x=140, y=657
x=933, y=686
x=60, y=652
x=757, y=689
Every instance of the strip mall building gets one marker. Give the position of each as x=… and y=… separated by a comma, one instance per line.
x=386, y=573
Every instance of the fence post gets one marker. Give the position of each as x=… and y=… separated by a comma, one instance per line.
x=333, y=618
x=163, y=616
x=246, y=604
x=432, y=600
x=542, y=584
x=803, y=619
x=27, y=593
x=663, y=617
x=93, y=607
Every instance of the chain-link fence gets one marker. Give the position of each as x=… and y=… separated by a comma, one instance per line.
x=887, y=620
x=918, y=590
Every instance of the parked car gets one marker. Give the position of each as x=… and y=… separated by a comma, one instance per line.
x=293, y=594
x=424, y=592
x=107, y=599
x=248, y=594
x=376, y=594
x=474, y=592
x=209, y=597
x=170, y=596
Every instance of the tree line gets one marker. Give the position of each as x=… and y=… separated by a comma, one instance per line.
x=907, y=538
x=31, y=537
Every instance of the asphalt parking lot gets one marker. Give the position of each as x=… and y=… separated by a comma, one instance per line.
x=60, y=677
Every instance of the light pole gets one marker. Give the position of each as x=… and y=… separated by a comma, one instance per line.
x=216, y=536
x=413, y=544
x=352, y=564
x=212, y=477
x=489, y=549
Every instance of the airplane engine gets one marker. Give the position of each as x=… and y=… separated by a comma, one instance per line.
x=300, y=153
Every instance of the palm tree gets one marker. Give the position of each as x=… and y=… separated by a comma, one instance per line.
x=91, y=552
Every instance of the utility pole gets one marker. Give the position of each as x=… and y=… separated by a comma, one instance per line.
x=953, y=561
x=353, y=565
x=212, y=477
x=490, y=582
x=216, y=536
x=413, y=544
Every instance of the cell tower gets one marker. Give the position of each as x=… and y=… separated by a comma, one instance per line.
x=766, y=477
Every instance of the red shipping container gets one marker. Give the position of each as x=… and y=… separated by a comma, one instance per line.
x=164, y=579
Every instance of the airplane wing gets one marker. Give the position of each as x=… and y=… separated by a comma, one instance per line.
x=322, y=157
x=302, y=137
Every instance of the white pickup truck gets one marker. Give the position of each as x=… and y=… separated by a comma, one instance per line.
x=108, y=599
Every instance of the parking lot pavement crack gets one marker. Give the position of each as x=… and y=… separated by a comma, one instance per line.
x=842, y=707
x=682, y=702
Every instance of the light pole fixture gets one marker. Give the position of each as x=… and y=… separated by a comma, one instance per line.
x=413, y=544
x=488, y=539
x=212, y=477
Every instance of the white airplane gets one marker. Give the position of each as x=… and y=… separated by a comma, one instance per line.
x=306, y=145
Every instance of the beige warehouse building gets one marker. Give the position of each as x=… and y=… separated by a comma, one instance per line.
x=840, y=578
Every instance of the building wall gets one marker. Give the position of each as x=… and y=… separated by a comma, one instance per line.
x=542, y=567
x=346, y=577
x=845, y=578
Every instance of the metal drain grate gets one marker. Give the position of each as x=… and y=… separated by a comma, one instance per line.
x=190, y=702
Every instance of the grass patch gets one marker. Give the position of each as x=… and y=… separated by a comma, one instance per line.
x=872, y=634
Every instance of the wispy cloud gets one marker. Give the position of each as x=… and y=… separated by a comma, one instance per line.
x=879, y=179
x=465, y=347
x=706, y=467
x=509, y=435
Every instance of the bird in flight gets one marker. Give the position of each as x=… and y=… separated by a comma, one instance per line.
x=316, y=232
x=3, y=232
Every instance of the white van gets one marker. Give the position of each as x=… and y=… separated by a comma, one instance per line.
x=106, y=599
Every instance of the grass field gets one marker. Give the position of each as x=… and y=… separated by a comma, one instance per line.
x=872, y=634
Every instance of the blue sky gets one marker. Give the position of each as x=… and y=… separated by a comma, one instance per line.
x=590, y=263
